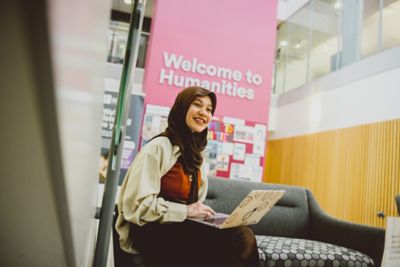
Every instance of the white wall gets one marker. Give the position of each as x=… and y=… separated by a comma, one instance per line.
x=320, y=107
x=32, y=199
x=52, y=66
x=78, y=31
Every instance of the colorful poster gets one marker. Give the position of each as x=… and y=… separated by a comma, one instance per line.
x=258, y=148
x=155, y=121
x=223, y=162
x=109, y=106
x=260, y=132
x=239, y=151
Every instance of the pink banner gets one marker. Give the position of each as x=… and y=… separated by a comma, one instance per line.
x=226, y=46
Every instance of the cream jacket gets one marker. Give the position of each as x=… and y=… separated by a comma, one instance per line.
x=138, y=202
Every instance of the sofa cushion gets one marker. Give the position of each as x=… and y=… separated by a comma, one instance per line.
x=288, y=218
x=282, y=252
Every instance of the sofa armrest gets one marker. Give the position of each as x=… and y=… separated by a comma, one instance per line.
x=367, y=239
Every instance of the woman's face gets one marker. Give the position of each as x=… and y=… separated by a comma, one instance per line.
x=199, y=114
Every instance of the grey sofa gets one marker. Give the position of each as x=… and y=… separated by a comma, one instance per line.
x=298, y=219
x=296, y=232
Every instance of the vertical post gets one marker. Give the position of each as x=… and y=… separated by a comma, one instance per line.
x=310, y=39
x=117, y=141
x=339, y=36
x=286, y=58
x=351, y=28
x=380, y=22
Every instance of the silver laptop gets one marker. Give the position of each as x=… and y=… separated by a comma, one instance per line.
x=250, y=211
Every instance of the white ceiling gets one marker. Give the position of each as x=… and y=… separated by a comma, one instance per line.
x=122, y=6
x=287, y=8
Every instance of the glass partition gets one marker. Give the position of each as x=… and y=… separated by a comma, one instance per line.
x=390, y=24
x=117, y=39
x=370, y=28
x=326, y=35
x=296, y=49
x=280, y=58
x=324, y=38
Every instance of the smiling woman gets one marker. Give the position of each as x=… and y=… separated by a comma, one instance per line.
x=199, y=114
x=164, y=187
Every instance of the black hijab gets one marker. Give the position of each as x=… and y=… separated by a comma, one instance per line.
x=191, y=144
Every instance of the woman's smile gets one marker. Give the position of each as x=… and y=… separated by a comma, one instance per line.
x=199, y=114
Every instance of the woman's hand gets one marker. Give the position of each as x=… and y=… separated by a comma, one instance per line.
x=199, y=210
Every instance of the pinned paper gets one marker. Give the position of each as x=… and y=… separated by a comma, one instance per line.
x=391, y=255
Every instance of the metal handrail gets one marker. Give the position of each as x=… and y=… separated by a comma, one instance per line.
x=118, y=135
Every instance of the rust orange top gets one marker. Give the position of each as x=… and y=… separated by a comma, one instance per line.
x=175, y=184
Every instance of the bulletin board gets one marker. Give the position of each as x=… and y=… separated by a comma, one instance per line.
x=235, y=147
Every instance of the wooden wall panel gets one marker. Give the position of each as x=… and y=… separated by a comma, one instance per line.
x=353, y=172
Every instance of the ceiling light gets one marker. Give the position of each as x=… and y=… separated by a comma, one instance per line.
x=283, y=43
x=395, y=5
x=297, y=46
x=128, y=2
x=338, y=5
